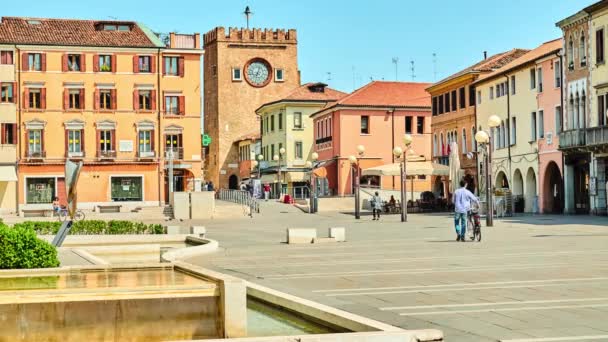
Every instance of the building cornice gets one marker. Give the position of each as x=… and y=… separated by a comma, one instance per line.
x=573, y=20
x=370, y=107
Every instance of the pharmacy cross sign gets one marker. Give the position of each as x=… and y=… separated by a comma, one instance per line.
x=206, y=140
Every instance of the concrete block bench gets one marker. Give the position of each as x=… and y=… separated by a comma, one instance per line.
x=198, y=230
x=108, y=208
x=301, y=235
x=338, y=233
x=178, y=230
x=36, y=212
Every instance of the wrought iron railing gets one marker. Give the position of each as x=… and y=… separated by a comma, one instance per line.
x=241, y=197
x=106, y=154
x=178, y=153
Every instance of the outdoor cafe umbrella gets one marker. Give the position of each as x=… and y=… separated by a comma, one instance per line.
x=455, y=173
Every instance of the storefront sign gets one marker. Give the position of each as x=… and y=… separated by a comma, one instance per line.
x=233, y=166
x=222, y=172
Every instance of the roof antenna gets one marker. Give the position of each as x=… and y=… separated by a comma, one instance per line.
x=329, y=76
x=248, y=15
x=413, y=70
x=396, y=62
x=434, y=66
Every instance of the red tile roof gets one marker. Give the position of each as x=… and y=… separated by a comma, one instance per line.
x=544, y=49
x=70, y=32
x=389, y=94
x=306, y=93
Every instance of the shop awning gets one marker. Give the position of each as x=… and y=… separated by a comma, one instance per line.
x=414, y=168
x=8, y=174
x=297, y=176
x=272, y=178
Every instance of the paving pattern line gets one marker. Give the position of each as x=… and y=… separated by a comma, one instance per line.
x=460, y=284
x=517, y=302
x=530, y=308
x=561, y=338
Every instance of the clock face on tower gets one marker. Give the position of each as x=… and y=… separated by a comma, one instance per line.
x=257, y=72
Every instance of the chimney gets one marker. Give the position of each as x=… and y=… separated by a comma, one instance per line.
x=485, y=55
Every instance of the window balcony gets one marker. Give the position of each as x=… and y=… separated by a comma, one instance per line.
x=596, y=136
x=571, y=139
x=178, y=153
x=106, y=155
x=75, y=155
x=36, y=155
x=146, y=154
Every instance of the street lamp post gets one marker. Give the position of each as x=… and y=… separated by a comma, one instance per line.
x=355, y=163
x=278, y=158
x=313, y=192
x=485, y=140
x=400, y=153
x=259, y=164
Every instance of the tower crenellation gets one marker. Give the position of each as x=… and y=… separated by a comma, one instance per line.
x=255, y=35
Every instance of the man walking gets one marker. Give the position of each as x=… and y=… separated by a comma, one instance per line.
x=376, y=203
x=462, y=204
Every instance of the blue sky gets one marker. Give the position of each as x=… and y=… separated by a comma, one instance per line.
x=353, y=40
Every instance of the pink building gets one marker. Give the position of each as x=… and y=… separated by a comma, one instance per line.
x=551, y=190
x=376, y=116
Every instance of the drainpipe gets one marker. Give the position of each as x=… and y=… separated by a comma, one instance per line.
x=159, y=115
x=509, y=126
x=20, y=132
x=561, y=125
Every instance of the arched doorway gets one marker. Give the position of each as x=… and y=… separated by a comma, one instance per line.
x=233, y=182
x=501, y=181
x=518, y=192
x=530, y=196
x=553, y=199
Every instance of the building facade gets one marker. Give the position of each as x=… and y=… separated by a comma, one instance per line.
x=512, y=94
x=453, y=108
x=115, y=97
x=376, y=116
x=286, y=123
x=243, y=70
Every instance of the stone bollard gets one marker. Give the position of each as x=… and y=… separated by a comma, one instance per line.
x=177, y=230
x=338, y=233
x=198, y=230
x=301, y=235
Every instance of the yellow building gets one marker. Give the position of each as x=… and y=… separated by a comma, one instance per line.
x=286, y=124
x=114, y=96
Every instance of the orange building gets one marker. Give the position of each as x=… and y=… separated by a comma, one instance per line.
x=376, y=116
x=111, y=94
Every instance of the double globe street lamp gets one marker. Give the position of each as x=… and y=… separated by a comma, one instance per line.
x=310, y=165
x=354, y=161
x=278, y=158
x=401, y=153
x=484, y=139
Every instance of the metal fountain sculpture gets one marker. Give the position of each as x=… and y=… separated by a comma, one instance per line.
x=72, y=172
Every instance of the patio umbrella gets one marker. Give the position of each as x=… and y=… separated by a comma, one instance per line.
x=455, y=173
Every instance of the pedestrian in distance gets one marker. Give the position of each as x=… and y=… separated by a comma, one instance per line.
x=266, y=191
x=376, y=203
x=462, y=199
x=210, y=186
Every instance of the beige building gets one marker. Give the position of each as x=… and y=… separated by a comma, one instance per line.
x=243, y=69
x=286, y=123
x=511, y=94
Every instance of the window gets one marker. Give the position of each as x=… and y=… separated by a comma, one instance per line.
x=601, y=109
x=35, y=98
x=570, y=54
x=109, y=27
x=533, y=127
x=558, y=119
x=74, y=98
x=420, y=124
x=74, y=142
x=479, y=97
x=408, y=124
x=472, y=96
x=8, y=134
x=462, y=96
x=105, y=99
x=473, y=142
x=171, y=66
x=532, y=78
x=446, y=98
x=143, y=64
x=299, y=150
x=503, y=127
x=600, y=47
x=557, y=70
x=145, y=99
x=464, y=141
x=434, y=144
x=541, y=124
x=272, y=151
x=513, y=88
x=34, y=141
x=582, y=51
x=6, y=57
x=454, y=103
x=272, y=123
x=513, y=128
x=491, y=93
x=434, y=106
x=172, y=104
x=105, y=63
x=364, y=124
x=498, y=90
x=280, y=121
x=40, y=190
x=74, y=63
x=540, y=79
x=297, y=120
x=125, y=189
x=236, y=74
x=34, y=61
x=278, y=75
x=267, y=125
x=105, y=141
x=7, y=94
x=440, y=99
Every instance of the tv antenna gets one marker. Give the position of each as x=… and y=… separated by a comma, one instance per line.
x=329, y=76
x=434, y=66
x=413, y=70
x=396, y=62
x=248, y=15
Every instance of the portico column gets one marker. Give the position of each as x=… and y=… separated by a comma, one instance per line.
x=569, y=189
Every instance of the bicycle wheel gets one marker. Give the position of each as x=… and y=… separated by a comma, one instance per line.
x=79, y=216
x=471, y=228
x=63, y=215
x=478, y=234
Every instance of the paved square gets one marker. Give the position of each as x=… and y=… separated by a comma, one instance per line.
x=531, y=278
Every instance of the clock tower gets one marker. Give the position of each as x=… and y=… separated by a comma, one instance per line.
x=243, y=69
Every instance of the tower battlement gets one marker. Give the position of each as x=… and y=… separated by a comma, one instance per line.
x=256, y=35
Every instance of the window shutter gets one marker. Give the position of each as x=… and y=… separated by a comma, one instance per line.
x=180, y=66
x=182, y=105
x=136, y=64
x=64, y=62
x=43, y=62
x=81, y=98
x=2, y=133
x=153, y=99
x=135, y=99
x=164, y=65
x=96, y=100
x=14, y=135
x=152, y=64
x=113, y=98
x=113, y=139
x=98, y=139
x=82, y=142
x=15, y=93
x=26, y=98
x=152, y=147
x=113, y=62
x=27, y=142
x=163, y=104
x=66, y=99
x=42, y=140
x=83, y=62
x=95, y=63
x=43, y=98
x=66, y=142
x=25, y=61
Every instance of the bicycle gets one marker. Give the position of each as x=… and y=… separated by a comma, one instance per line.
x=474, y=223
x=63, y=214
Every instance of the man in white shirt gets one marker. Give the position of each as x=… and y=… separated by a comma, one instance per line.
x=462, y=204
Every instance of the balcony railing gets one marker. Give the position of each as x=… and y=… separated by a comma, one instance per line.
x=146, y=154
x=596, y=136
x=178, y=153
x=36, y=154
x=75, y=155
x=323, y=140
x=572, y=138
x=106, y=154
